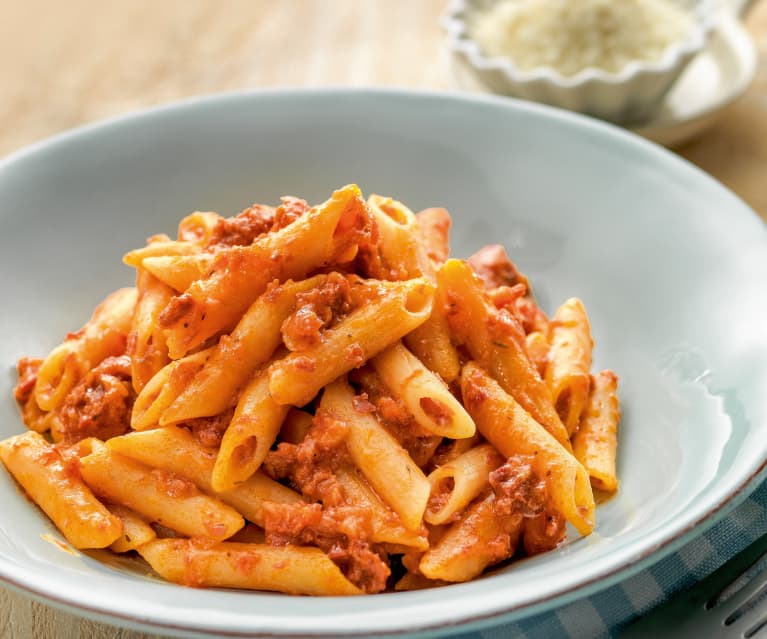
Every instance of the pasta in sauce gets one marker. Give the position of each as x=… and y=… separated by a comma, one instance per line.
x=318, y=400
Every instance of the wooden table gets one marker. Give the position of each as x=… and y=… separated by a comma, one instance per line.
x=63, y=64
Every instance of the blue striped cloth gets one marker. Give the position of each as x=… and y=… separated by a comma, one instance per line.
x=606, y=613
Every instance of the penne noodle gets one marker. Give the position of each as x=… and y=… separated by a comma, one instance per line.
x=162, y=247
x=569, y=362
x=105, y=334
x=327, y=234
x=396, y=310
x=175, y=450
x=478, y=540
x=178, y=271
x=163, y=389
x=455, y=484
x=387, y=526
x=538, y=350
x=165, y=498
x=398, y=245
x=249, y=436
x=136, y=532
x=496, y=342
x=291, y=569
x=513, y=431
x=596, y=441
x=423, y=393
x=146, y=342
x=431, y=342
x=385, y=464
x=54, y=485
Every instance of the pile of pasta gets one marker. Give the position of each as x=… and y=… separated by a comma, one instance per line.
x=317, y=400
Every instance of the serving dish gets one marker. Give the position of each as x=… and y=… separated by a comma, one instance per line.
x=670, y=264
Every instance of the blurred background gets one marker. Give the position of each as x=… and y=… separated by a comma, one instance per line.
x=63, y=64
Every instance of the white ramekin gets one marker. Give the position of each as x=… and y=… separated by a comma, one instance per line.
x=627, y=97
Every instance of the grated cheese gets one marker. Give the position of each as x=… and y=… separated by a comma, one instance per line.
x=572, y=35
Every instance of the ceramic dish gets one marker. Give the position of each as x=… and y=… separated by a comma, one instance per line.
x=716, y=77
x=630, y=95
x=669, y=263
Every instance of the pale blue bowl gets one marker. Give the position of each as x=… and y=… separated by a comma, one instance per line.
x=671, y=266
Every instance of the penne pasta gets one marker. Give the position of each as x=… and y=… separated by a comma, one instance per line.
x=146, y=342
x=385, y=464
x=165, y=498
x=596, y=441
x=457, y=483
x=478, y=540
x=135, y=531
x=569, y=362
x=164, y=387
x=162, y=246
x=513, y=431
x=295, y=570
x=249, y=436
x=178, y=272
x=423, y=393
x=51, y=483
x=175, y=450
x=400, y=251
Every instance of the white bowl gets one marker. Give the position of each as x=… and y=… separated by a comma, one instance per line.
x=669, y=263
x=627, y=97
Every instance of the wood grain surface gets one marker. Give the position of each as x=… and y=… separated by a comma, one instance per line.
x=63, y=64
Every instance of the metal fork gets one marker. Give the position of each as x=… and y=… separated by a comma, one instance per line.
x=729, y=603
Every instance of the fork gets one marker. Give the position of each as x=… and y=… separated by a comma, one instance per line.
x=730, y=603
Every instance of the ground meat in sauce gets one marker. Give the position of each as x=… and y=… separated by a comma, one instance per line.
x=100, y=404
x=311, y=465
x=495, y=268
x=316, y=310
x=27, y=368
x=242, y=229
x=341, y=532
x=518, y=490
x=209, y=431
x=289, y=211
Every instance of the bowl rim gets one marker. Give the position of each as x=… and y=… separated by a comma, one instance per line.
x=661, y=544
x=675, y=56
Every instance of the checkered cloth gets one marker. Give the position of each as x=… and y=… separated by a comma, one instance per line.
x=606, y=613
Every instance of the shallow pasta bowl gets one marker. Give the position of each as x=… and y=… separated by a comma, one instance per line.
x=669, y=263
